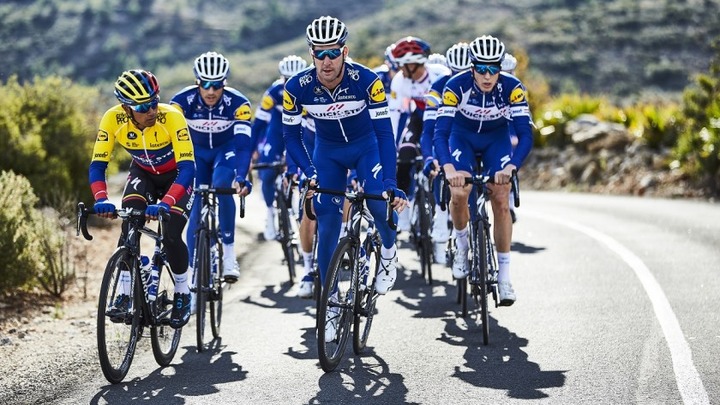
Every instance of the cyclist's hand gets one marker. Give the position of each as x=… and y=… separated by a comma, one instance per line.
x=104, y=208
x=503, y=176
x=453, y=177
x=154, y=210
x=311, y=183
x=243, y=187
x=430, y=167
x=400, y=201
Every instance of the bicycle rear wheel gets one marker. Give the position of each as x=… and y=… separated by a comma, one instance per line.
x=337, y=300
x=215, y=293
x=365, y=300
x=286, y=236
x=118, y=326
x=482, y=260
x=426, y=245
x=164, y=339
x=202, y=274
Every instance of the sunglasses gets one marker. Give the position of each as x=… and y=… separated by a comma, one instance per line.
x=331, y=53
x=482, y=69
x=215, y=84
x=145, y=107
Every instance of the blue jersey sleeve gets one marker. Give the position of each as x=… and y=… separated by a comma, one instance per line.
x=292, y=127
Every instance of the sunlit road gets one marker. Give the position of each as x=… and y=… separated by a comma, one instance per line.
x=617, y=304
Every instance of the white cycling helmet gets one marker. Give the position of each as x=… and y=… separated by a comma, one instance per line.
x=290, y=65
x=487, y=49
x=211, y=66
x=436, y=59
x=458, y=57
x=509, y=63
x=326, y=30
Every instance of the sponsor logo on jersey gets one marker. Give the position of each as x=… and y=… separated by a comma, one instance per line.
x=186, y=155
x=100, y=155
x=132, y=135
x=267, y=102
x=102, y=136
x=243, y=113
x=161, y=117
x=304, y=80
x=377, y=92
x=183, y=135
x=517, y=96
x=317, y=90
x=449, y=98
x=354, y=74
x=288, y=101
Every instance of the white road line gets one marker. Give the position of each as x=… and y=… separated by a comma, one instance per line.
x=688, y=379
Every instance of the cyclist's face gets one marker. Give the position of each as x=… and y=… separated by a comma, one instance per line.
x=329, y=70
x=210, y=95
x=143, y=120
x=414, y=71
x=486, y=81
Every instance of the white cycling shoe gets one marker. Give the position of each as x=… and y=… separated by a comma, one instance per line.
x=460, y=266
x=506, y=293
x=306, y=287
x=386, y=275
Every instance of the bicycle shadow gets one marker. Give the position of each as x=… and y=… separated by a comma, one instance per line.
x=502, y=364
x=522, y=248
x=273, y=297
x=194, y=375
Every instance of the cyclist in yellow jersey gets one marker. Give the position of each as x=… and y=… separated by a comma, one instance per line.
x=160, y=176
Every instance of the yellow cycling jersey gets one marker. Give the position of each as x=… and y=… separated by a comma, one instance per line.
x=157, y=149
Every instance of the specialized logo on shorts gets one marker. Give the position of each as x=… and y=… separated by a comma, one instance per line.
x=377, y=92
x=449, y=98
x=182, y=135
x=243, y=113
x=102, y=136
x=288, y=101
x=517, y=96
x=267, y=102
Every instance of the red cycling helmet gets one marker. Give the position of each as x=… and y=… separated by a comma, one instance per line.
x=411, y=50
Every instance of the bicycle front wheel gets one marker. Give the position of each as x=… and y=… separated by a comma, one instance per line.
x=215, y=293
x=335, y=313
x=164, y=339
x=365, y=299
x=481, y=258
x=118, y=315
x=202, y=275
x=286, y=236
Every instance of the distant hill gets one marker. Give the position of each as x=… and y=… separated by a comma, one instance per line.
x=623, y=48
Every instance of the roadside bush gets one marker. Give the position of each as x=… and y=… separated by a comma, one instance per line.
x=19, y=249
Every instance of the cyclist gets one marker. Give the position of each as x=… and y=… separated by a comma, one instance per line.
x=353, y=131
x=268, y=127
x=219, y=120
x=160, y=176
x=478, y=107
x=457, y=58
x=408, y=90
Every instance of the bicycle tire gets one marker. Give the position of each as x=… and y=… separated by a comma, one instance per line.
x=202, y=271
x=163, y=338
x=426, y=246
x=117, y=340
x=285, y=238
x=462, y=294
x=339, y=279
x=365, y=301
x=215, y=293
x=483, y=239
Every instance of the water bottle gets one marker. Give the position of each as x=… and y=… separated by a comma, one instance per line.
x=145, y=269
x=154, y=281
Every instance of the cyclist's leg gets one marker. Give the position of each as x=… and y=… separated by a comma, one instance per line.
x=462, y=148
x=407, y=151
x=222, y=176
x=203, y=171
x=135, y=195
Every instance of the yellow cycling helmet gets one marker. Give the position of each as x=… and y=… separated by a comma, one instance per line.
x=136, y=86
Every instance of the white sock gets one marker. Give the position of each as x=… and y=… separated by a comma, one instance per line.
x=125, y=285
x=461, y=240
x=386, y=253
x=181, y=283
x=503, y=266
x=191, y=277
x=229, y=253
x=308, y=261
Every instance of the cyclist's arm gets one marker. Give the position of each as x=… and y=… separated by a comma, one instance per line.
x=432, y=102
x=244, y=146
x=379, y=111
x=184, y=157
x=292, y=128
x=102, y=151
x=443, y=124
x=522, y=123
x=263, y=114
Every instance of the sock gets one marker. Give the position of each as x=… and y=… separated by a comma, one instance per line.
x=461, y=240
x=387, y=253
x=191, y=277
x=125, y=285
x=229, y=253
x=181, y=283
x=503, y=266
x=308, y=261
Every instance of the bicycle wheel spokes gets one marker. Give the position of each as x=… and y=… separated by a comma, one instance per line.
x=164, y=339
x=335, y=314
x=482, y=261
x=215, y=296
x=286, y=236
x=365, y=299
x=202, y=272
x=118, y=316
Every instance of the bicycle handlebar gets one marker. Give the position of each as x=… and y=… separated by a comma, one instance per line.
x=83, y=213
x=205, y=189
x=479, y=180
x=353, y=195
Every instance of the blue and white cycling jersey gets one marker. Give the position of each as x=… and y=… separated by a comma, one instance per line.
x=470, y=115
x=383, y=72
x=268, y=117
x=433, y=100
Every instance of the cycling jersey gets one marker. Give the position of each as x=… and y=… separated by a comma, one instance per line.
x=383, y=72
x=162, y=148
x=407, y=95
x=433, y=99
x=468, y=113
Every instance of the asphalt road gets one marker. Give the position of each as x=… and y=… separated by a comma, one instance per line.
x=617, y=304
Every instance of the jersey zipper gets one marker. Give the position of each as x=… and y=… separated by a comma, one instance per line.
x=147, y=154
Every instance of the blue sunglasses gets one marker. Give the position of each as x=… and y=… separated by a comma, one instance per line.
x=482, y=69
x=331, y=53
x=215, y=84
x=145, y=107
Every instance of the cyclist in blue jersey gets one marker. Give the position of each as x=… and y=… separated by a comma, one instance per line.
x=219, y=120
x=267, y=128
x=457, y=58
x=478, y=107
x=348, y=105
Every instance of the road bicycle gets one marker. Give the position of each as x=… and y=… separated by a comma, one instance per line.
x=209, y=279
x=349, y=293
x=482, y=278
x=421, y=219
x=126, y=304
x=307, y=210
x=286, y=221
